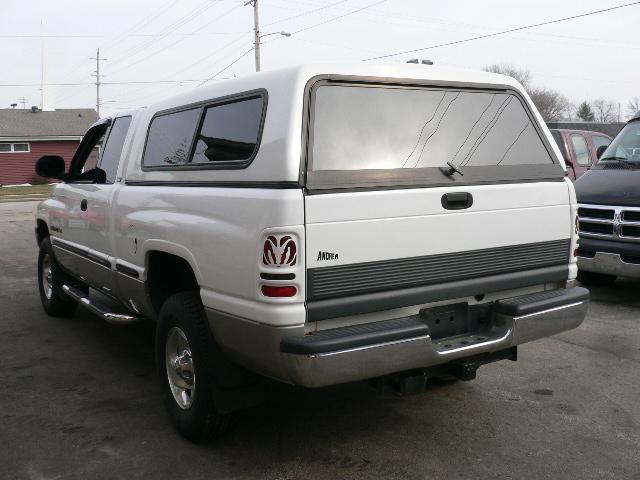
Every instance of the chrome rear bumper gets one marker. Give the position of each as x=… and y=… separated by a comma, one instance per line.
x=253, y=346
x=330, y=368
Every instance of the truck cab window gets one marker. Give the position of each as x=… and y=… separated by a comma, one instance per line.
x=113, y=148
x=583, y=157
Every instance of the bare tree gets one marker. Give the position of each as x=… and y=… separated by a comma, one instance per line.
x=520, y=74
x=604, y=110
x=551, y=104
x=633, y=106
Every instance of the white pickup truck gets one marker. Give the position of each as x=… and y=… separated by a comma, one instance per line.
x=317, y=225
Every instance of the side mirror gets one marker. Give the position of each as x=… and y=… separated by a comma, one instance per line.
x=601, y=150
x=50, y=166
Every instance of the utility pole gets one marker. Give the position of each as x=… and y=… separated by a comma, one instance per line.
x=256, y=31
x=257, y=36
x=97, y=74
x=24, y=102
x=41, y=68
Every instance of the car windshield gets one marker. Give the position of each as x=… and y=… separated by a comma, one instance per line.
x=625, y=148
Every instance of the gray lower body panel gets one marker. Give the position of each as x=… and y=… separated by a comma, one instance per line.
x=258, y=347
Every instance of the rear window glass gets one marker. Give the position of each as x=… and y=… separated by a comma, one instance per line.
x=220, y=135
x=170, y=138
x=229, y=132
x=373, y=127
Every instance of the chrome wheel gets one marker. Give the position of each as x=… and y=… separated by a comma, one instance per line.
x=47, y=277
x=179, y=366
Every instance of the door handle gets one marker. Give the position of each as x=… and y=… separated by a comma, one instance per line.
x=83, y=205
x=457, y=200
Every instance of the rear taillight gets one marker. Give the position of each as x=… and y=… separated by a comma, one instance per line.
x=279, y=291
x=279, y=266
x=279, y=251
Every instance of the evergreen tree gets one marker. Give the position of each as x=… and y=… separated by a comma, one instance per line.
x=585, y=113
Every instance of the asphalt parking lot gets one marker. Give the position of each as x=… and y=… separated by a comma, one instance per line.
x=80, y=399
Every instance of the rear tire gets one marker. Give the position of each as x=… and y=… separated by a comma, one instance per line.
x=51, y=278
x=594, y=278
x=186, y=355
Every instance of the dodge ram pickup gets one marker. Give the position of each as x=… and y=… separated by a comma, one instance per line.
x=317, y=225
x=609, y=211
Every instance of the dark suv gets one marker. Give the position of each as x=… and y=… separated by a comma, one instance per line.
x=579, y=149
x=609, y=211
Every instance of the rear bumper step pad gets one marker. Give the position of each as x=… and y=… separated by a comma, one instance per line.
x=356, y=336
x=529, y=304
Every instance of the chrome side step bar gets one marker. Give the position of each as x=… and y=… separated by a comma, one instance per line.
x=103, y=312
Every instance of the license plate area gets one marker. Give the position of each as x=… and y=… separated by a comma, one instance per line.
x=456, y=319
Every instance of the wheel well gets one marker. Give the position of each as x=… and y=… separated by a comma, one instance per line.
x=42, y=231
x=167, y=275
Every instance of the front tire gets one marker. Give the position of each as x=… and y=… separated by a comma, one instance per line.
x=594, y=278
x=51, y=278
x=186, y=357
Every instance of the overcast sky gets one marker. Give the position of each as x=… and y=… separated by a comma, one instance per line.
x=191, y=40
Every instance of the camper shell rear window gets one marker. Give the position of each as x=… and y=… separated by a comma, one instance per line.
x=370, y=135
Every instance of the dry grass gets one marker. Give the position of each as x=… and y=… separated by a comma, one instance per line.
x=30, y=190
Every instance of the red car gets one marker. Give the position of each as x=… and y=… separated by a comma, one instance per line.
x=580, y=149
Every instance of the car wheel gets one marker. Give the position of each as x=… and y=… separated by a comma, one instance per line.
x=51, y=278
x=594, y=278
x=186, y=356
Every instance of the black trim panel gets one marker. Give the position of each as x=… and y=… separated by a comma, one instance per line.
x=98, y=260
x=128, y=271
x=387, y=300
x=221, y=184
x=432, y=177
x=83, y=253
x=424, y=185
x=355, y=336
x=70, y=248
x=277, y=276
x=361, y=278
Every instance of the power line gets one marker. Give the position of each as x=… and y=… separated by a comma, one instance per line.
x=503, y=32
x=143, y=35
x=329, y=20
x=145, y=21
x=196, y=63
x=136, y=49
x=218, y=18
x=131, y=82
x=308, y=12
x=228, y=66
x=333, y=19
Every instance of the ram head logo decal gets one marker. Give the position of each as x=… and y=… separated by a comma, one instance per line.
x=280, y=251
